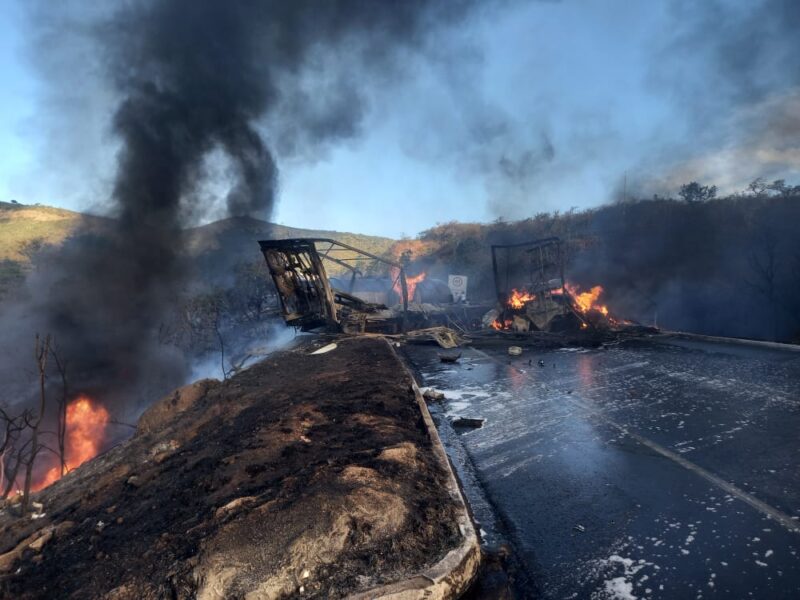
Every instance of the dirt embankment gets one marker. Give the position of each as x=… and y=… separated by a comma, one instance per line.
x=305, y=475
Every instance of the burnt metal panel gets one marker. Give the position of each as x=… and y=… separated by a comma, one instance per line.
x=537, y=267
x=527, y=265
x=307, y=298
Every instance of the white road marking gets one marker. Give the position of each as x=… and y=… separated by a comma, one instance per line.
x=762, y=507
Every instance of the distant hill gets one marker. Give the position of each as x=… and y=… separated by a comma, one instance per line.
x=214, y=248
x=21, y=224
x=218, y=246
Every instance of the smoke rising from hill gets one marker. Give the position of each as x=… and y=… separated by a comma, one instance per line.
x=190, y=79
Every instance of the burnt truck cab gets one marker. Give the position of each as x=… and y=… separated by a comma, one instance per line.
x=308, y=299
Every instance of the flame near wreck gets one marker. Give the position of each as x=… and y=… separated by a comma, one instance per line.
x=519, y=299
x=411, y=283
x=585, y=305
x=585, y=302
x=85, y=435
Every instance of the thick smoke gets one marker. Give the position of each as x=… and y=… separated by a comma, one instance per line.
x=750, y=50
x=726, y=268
x=193, y=79
x=739, y=98
x=729, y=267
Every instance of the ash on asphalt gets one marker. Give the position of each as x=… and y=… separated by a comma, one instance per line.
x=649, y=469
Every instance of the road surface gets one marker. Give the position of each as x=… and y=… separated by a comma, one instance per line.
x=649, y=469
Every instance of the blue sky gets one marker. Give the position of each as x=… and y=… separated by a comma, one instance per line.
x=542, y=106
x=16, y=101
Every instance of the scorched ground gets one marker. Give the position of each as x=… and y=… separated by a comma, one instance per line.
x=310, y=472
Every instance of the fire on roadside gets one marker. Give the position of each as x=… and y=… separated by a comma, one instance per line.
x=585, y=303
x=411, y=283
x=500, y=325
x=518, y=299
x=86, y=422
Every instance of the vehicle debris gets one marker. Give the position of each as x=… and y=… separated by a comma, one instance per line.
x=444, y=336
x=449, y=358
x=325, y=349
x=533, y=295
x=390, y=303
x=529, y=283
x=431, y=394
x=468, y=422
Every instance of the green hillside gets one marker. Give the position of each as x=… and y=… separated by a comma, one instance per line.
x=218, y=246
x=214, y=248
x=21, y=224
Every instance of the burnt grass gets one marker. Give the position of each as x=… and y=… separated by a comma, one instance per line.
x=137, y=520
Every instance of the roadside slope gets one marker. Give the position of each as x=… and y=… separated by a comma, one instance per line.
x=304, y=474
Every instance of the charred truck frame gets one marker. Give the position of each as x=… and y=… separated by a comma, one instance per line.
x=309, y=301
x=531, y=289
x=532, y=293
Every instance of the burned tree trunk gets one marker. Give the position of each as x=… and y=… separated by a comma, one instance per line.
x=61, y=431
x=764, y=267
x=41, y=352
x=18, y=457
x=12, y=426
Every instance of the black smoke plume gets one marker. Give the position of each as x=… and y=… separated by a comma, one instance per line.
x=193, y=79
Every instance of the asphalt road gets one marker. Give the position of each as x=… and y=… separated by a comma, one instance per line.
x=646, y=469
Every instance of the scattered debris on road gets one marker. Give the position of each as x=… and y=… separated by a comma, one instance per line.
x=449, y=358
x=325, y=349
x=468, y=422
x=431, y=394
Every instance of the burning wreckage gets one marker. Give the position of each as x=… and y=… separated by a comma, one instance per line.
x=377, y=295
x=533, y=294
x=374, y=295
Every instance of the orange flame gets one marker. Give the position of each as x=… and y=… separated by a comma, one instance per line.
x=519, y=299
x=85, y=434
x=411, y=283
x=587, y=301
x=500, y=325
x=583, y=302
